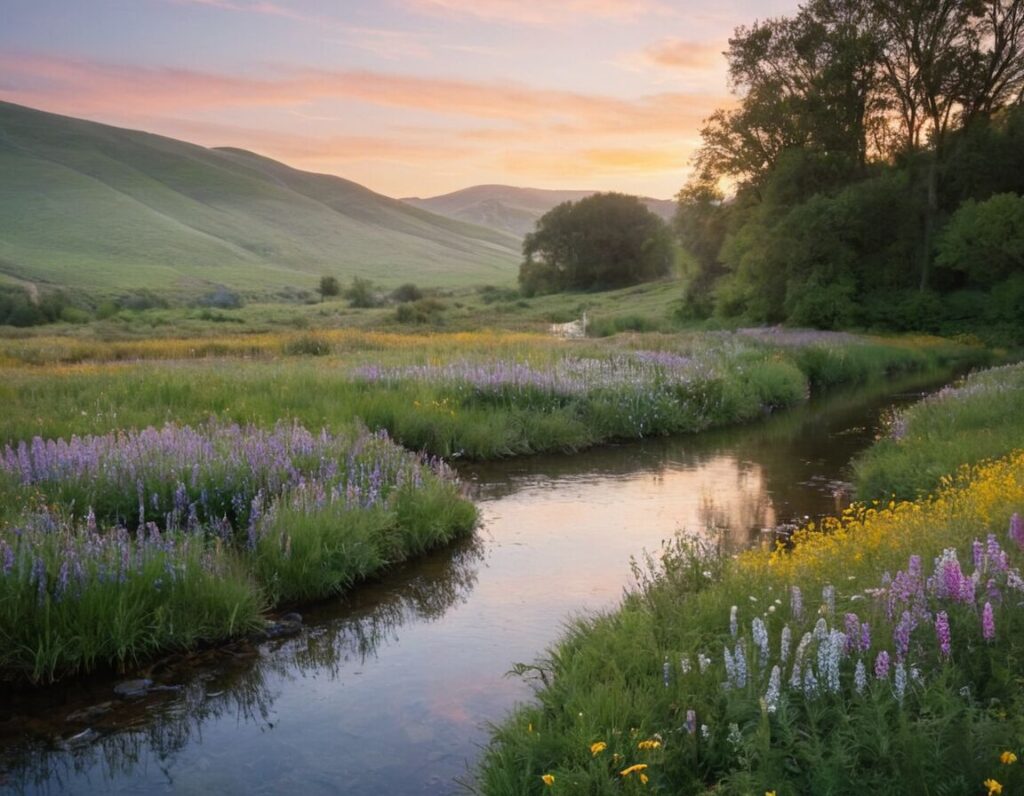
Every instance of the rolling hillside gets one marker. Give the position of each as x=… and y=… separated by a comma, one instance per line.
x=106, y=210
x=510, y=209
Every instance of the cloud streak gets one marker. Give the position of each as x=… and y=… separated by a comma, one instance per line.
x=542, y=12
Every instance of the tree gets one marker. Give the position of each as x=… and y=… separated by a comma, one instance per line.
x=361, y=293
x=985, y=240
x=328, y=287
x=601, y=242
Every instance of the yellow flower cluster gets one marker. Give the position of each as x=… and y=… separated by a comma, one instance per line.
x=873, y=539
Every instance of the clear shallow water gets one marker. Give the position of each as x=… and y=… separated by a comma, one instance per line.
x=389, y=691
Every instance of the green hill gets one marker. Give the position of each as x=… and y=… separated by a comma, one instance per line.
x=511, y=209
x=103, y=209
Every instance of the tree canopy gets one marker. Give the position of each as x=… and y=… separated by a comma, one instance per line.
x=603, y=241
x=862, y=128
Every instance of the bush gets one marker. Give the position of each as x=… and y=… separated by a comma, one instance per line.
x=406, y=293
x=222, y=298
x=361, y=293
x=308, y=345
x=428, y=310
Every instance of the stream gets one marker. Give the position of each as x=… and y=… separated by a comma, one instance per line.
x=389, y=690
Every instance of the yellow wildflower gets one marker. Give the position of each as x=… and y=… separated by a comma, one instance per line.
x=548, y=779
x=1007, y=758
x=993, y=787
x=652, y=743
x=633, y=769
x=597, y=748
x=769, y=793
x=644, y=779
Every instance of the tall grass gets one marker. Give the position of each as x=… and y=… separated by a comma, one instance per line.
x=135, y=542
x=686, y=688
x=982, y=418
x=718, y=379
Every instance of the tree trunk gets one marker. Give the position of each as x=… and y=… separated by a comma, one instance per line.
x=930, y=213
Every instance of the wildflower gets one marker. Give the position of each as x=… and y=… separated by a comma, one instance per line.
x=644, y=779
x=828, y=597
x=988, y=622
x=796, y=603
x=733, y=622
x=684, y=664
x=703, y=662
x=760, y=633
x=666, y=672
x=548, y=779
x=1017, y=530
x=769, y=793
x=852, y=623
x=1007, y=758
x=900, y=684
x=942, y=632
x=633, y=769
x=650, y=743
x=740, y=660
x=810, y=683
x=771, y=697
x=735, y=737
x=901, y=635
x=795, y=679
x=882, y=666
x=784, y=644
x=597, y=748
x=865, y=636
x=705, y=731
x=860, y=677
x=993, y=787
x=691, y=721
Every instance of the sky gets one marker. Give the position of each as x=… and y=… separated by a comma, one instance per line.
x=407, y=97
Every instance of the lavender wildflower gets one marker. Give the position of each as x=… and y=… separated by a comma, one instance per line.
x=784, y=644
x=740, y=660
x=810, y=683
x=760, y=633
x=900, y=684
x=796, y=603
x=988, y=623
x=691, y=721
x=865, y=636
x=771, y=697
x=882, y=666
x=828, y=597
x=8, y=557
x=852, y=624
x=733, y=621
x=942, y=632
x=795, y=679
x=1017, y=530
x=666, y=672
x=901, y=635
x=860, y=677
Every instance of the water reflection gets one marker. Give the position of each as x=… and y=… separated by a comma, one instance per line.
x=388, y=691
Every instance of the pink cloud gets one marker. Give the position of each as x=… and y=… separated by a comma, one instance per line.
x=673, y=53
x=539, y=12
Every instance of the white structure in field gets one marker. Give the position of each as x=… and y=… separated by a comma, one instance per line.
x=570, y=330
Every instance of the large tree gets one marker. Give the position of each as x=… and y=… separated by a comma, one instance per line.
x=607, y=240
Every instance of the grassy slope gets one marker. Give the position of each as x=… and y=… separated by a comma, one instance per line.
x=107, y=209
x=513, y=209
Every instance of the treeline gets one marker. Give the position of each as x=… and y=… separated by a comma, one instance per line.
x=875, y=163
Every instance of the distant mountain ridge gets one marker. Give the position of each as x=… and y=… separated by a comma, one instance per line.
x=511, y=209
x=105, y=209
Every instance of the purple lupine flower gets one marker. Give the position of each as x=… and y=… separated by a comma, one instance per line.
x=978, y=554
x=1017, y=530
x=62, y=581
x=882, y=666
x=771, y=697
x=914, y=567
x=39, y=578
x=993, y=592
x=852, y=626
x=901, y=634
x=865, y=636
x=942, y=633
x=8, y=557
x=997, y=559
x=733, y=621
x=988, y=623
x=691, y=721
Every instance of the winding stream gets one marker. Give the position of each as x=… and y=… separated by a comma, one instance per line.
x=389, y=691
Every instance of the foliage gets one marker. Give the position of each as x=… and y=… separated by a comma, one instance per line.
x=861, y=128
x=222, y=298
x=329, y=286
x=600, y=242
x=406, y=292
x=361, y=293
x=985, y=240
x=17, y=307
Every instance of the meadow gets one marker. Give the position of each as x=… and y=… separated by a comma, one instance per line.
x=877, y=657
x=159, y=493
x=979, y=419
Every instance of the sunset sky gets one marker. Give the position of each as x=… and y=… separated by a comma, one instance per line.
x=408, y=97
